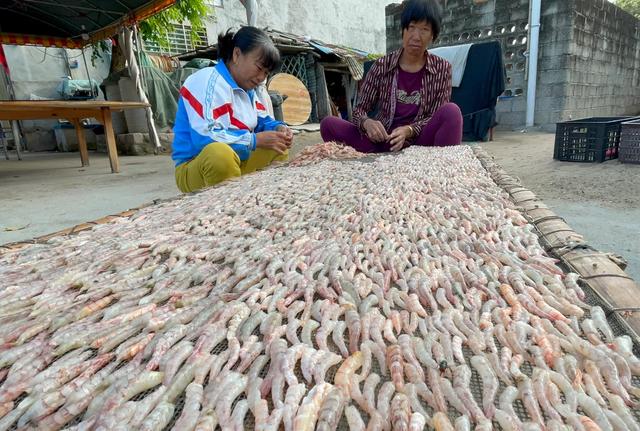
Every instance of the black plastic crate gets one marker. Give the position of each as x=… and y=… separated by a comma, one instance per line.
x=629, y=151
x=588, y=140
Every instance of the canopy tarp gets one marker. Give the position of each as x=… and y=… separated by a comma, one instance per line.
x=76, y=23
x=70, y=23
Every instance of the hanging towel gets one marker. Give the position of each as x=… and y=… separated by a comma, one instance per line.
x=457, y=56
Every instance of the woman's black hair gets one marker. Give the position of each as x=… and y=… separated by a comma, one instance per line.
x=422, y=10
x=249, y=39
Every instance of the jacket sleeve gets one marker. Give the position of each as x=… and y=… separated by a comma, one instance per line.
x=368, y=95
x=265, y=121
x=444, y=96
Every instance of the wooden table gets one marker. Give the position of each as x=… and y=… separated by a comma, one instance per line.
x=73, y=111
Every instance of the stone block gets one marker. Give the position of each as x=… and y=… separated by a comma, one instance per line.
x=101, y=144
x=572, y=103
x=551, y=103
x=578, y=90
x=559, y=90
x=552, y=77
x=519, y=104
x=519, y=14
x=510, y=119
x=541, y=117
x=544, y=91
x=138, y=144
x=512, y=104
x=557, y=116
x=39, y=140
x=67, y=139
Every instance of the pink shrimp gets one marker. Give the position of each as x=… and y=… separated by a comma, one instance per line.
x=331, y=410
x=396, y=367
x=441, y=422
x=549, y=353
x=307, y=415
x=400, y=412
x=345, y=374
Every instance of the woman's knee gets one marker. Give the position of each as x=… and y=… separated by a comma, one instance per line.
x=218, y=163
x=451, y=113
x=333, y=128
x=450, y=130
x=284, y=157
x=181, y=176
x=326, y=127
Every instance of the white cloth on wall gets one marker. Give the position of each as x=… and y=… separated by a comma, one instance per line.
x=457, y=56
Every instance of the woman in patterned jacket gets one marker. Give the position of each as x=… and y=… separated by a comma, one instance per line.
x=222, y=128
x=409, y=88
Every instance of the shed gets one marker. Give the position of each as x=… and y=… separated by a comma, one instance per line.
x=330, y=72
x=75, y=24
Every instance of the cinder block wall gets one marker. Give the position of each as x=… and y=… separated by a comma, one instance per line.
x=556, y=23
x=589, y=55
x=603, y=61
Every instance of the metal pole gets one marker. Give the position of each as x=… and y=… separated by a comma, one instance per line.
x=15, y=130
x=65, y=54
x=15, y=125
x=534, y=39
x=86, y=68
x=3, y=140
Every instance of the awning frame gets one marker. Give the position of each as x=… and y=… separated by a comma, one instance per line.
x=128, y=19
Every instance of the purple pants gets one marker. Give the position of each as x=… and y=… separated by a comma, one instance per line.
x=443, y=129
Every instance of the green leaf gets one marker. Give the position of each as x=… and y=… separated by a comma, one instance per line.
x=98, y=48
x=197, y=12
x=631, y=6
x=154, y=28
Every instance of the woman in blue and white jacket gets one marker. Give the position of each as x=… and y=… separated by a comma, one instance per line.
x=222, y=129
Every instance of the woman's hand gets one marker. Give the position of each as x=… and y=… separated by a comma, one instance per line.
x=399, y=136
x=274, y=140
x=375, y=130
x=285, y=129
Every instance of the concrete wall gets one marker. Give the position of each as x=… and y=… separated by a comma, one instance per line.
x=603, y=61
x=36, y=71
x=556, y=25
x=588, y=61
x=355, y=23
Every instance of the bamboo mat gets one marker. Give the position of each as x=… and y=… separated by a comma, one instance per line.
x=605, y=278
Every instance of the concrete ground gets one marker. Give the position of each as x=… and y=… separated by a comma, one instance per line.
x=599, y=201
x=47, y=192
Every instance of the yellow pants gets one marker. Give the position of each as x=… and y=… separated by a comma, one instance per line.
x=218, y=162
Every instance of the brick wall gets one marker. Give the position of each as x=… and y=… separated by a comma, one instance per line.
x=589, y=55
